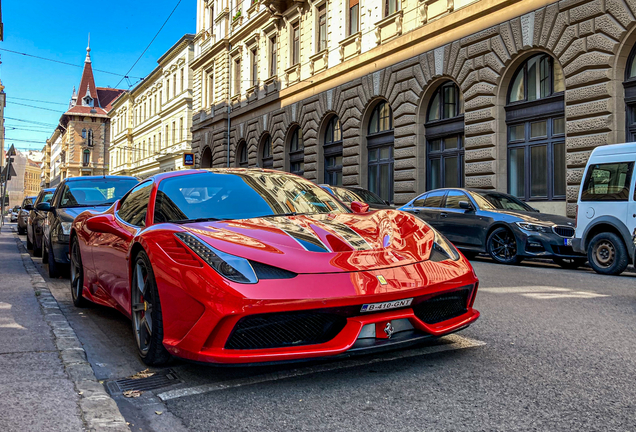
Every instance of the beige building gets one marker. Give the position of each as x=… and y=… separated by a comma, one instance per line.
x=404, y=97
x=32, y=173
x=150, y=124
x=79, y=145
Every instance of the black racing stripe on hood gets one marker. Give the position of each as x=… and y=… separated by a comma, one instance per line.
x=347, y=234
x=307, y=239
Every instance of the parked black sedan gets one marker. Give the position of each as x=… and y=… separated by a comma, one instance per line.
x=35, y=223
x=498, y=224
x=350, y=194
x=23, y=214
x=73, y=196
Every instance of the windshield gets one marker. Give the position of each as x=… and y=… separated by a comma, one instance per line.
x=45, y=197
x=503, y=201
x=239, y=195
x=97, y=192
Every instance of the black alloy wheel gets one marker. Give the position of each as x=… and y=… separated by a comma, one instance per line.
x=607, y=254
x=502, y=246
x=570, y=263
x=77, y=276
x=147, y=321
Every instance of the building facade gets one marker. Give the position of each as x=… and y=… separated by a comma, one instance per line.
x=32, y=173
x=150, y=124
x=404, y=97
x=79, y=145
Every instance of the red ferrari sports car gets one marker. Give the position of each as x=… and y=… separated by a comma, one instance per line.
x=240, y=266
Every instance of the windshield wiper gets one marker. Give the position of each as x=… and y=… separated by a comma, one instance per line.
x=208, y=219
x=279, y=214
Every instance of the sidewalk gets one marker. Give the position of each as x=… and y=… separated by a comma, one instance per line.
x=46, y=384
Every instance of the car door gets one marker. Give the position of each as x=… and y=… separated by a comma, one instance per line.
x=110, y=251
x=462, y=227
x=432, y=207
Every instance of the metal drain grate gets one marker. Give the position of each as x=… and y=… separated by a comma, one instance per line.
x=158, y=380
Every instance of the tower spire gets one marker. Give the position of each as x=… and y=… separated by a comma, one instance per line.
x=88, y=50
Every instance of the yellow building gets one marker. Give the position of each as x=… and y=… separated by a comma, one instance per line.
x=32, y=176
x=150, y=124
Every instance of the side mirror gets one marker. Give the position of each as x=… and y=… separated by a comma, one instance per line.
x=44, y=206
x=359, y=207
x=465, y=205
x=103, y=224
x=28, y=207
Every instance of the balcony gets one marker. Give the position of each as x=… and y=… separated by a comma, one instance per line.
x=280, y=6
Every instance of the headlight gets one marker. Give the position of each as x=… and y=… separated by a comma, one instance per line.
x=526, y=226
x=234, y=268
x=442, y=249
x=66, y=227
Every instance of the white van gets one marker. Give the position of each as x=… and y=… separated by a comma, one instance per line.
x=606, y=209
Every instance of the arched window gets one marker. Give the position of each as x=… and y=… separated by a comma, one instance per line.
x=297, y=152
x=267, y=153
x=535, y=117
x=630, y=96
x=83, y=133
x=242, y=160
x=206, y=158
x=445, y=138
x=380, y=151
x=86, y=157
x=332, y=147
x=89, y=139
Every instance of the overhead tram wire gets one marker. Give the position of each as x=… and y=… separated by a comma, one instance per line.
x=153, y=39
x=36, y=100
x=32, y=122
x=59, y=61
x=37, y=107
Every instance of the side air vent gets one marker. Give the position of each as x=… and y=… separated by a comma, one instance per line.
x=264, y=271
x=179, y=253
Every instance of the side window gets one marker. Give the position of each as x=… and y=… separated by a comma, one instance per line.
x=134, y=208
x=608, y=182
x=453, y=198
x=419, y=202
x=434, y=199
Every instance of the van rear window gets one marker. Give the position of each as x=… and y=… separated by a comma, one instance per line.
x=608, y=182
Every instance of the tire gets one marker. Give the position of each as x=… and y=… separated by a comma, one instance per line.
x=77, y=276
x=502, y=246
x=37, y=251
x=144, y=299
x=29, y=245
x=45, y=253
x=607, y=254
x=570, y=263
x=54, y=271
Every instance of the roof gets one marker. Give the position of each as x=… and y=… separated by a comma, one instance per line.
x=614, y=149
x=109, y=177
x=107, y=96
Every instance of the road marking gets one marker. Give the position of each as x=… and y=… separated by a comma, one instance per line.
x=448, y=343
x=543, y=292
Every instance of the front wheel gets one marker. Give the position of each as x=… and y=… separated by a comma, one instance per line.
x=570, y=263
x=502, y=246
x=607, y=254
x=147, y=320
x=54, y=272
x=77, y=276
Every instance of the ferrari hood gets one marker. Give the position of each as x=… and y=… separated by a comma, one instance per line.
x=323, y=243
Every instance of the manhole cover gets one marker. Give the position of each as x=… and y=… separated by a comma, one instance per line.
x=160, y=379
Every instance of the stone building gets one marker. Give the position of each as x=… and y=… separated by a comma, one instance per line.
x=79, y=145
x=403, y=97
x=32, y=172
x=150, y=124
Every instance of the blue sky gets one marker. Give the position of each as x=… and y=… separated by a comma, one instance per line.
x=120, y=30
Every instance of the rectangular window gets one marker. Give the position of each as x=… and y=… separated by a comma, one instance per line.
x=160, y=143
x=254, y=65
x=160, y=98
x=167, y=90
x=354, y=8
x=391, y=7
x=322, y=28
x=182, y=79
x=174, y=132
x=558, y=126
x=174, y=85
x=539, y=129
x=517, y=172
x=272, y=56
x=559, y=169
x=295, y=52
x=237, y=76
x=517, y=132
x=608, y=182
x=210, y=89
x=538, y=171
x=181, y=129
x=167, y=136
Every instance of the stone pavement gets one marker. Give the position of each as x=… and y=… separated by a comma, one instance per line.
x=45, y=382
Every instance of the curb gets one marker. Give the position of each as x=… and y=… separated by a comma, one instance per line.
x=99, y=410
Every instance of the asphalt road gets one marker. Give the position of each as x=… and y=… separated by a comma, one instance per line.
x=553, y=350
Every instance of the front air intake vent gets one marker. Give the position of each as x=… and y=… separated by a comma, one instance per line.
x=564, y=231
x=277, y=330
x=264, y=271
x=443, y=307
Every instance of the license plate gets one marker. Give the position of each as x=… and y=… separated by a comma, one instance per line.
x=567, y=242
x=375, y=307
